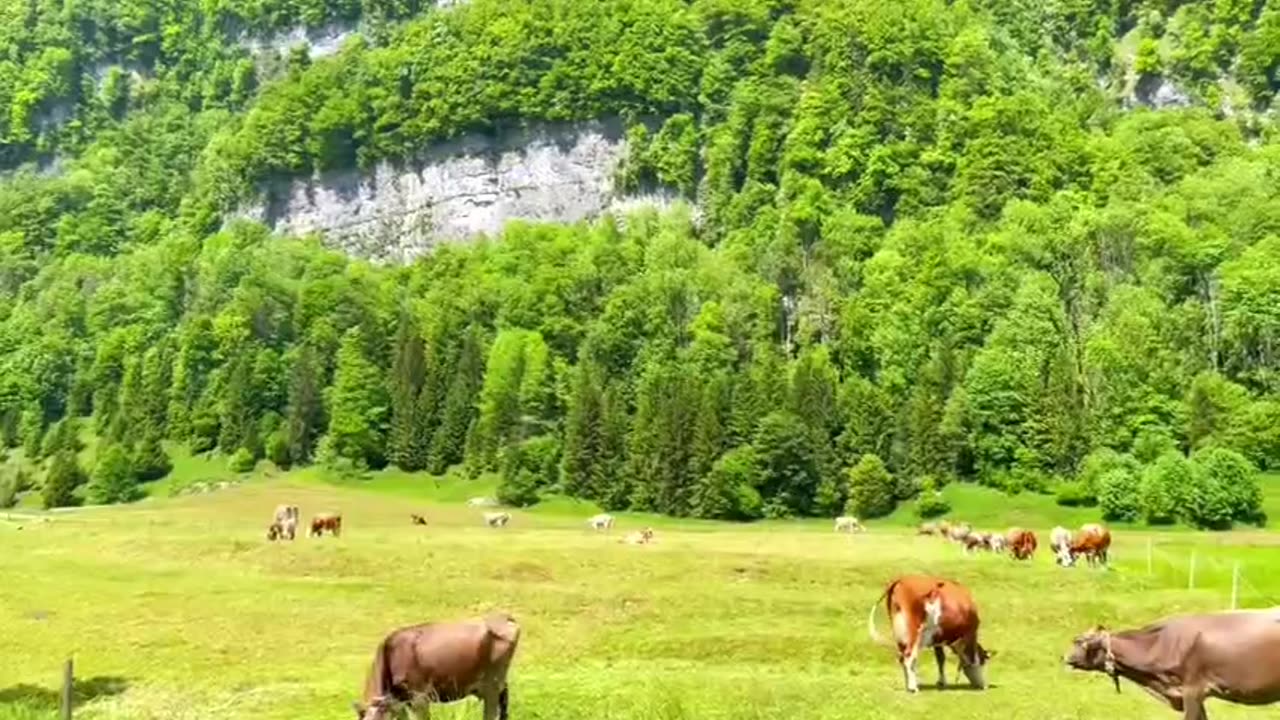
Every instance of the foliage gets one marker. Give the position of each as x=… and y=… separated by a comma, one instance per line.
x=113, y=480
x=1164, y=492
x=61, y=481
x=241, y=461
x=870, y=488
x=1224, y=490
x=729, y=491
x=1118, y=495
x=1075, y=494
x=150, y=460
x=931, y=504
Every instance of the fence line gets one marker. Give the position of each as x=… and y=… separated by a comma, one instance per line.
x=1200, y=567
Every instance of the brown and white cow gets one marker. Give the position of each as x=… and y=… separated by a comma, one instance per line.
x=1022, y=543
x=442, y=663
x=976, y=541
x=1093, y=542
x=1059, y=541
x=849, y=524
x=927, y=529
x=997, y=543
x=928, y=611
x=497, y=519
x=286, y=517
x=326, y=521
x=639, y=537
x=1184, y=660
x=958, y=532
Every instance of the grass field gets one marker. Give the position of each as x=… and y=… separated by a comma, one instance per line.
x=177, y=608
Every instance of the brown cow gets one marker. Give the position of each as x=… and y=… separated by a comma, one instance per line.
x=1022, y=543
x=274, y=531
x=1184, y=660
x=442, y=663
x=326, y=521
x=932, y=612
x=418, y=519
x=1093, y=541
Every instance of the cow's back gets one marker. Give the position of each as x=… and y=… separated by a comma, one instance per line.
x=959, y=611
x=452, y=659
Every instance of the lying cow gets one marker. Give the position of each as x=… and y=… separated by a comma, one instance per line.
x=442, y=663
x=603, y=521
x=417, y=519
x=326, y=521
x=927, y=529
x=1184, y=660
x=845, y=523
x=497, y=519
x=286, y=516
x=1022, y=543
x=1093, y=542
x=482, y=502
x=640, y=537
x=930, y=612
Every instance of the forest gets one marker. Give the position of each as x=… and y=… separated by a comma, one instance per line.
x=922, y=242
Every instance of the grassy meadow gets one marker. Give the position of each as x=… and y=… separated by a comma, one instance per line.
x=177, y=607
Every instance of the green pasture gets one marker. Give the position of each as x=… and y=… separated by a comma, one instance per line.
x=177, y=607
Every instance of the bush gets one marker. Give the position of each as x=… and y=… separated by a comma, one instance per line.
x=1224, y=490
x=64, y=477
x=931, y=505
x=1099, y=463
x=519, y=484
x=242, y=461
x=113, y=479
x=729, y=490
x=1074, y=494
x=278, y=449
x=870, y=488
x=1164, y=488
x=8, y=492
x=151, y=462
x=1150, y=445
x=1118, y=495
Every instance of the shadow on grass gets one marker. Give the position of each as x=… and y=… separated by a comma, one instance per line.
x=954, y=687
x=35, y=698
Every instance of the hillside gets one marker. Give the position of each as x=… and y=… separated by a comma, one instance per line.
x=1031, y=246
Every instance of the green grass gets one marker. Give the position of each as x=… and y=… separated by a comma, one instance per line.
x=177, y=608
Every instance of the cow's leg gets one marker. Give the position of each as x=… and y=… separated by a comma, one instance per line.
x=490, y=700
x=1193, y=708
x=941, y=656
x=504, y=701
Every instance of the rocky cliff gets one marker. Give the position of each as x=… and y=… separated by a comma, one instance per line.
x=457, y=190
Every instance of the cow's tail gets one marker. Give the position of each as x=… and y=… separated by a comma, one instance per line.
x=871, y=617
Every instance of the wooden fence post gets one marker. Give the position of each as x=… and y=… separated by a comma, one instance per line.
x=1235, y=584
x=68, y=684
x=1191, y=573
x=1149, y=555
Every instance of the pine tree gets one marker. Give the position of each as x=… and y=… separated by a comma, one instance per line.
x=662, y=439
x=150, y=461
x=237, y=427
x=64, y=477
x=357, y=406
x=613, y=485
x=459, y=408
x=709, y=435
x=499, y=419
x=131, y=404
x=581, y=465
x=305, y=415
x=113, y=478
x=156, y=379
x=407, y=376
x=31, y=429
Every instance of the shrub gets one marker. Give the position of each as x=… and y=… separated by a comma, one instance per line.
x=931, y=505
x=519, y=484
x=151, y=462
x=113, y=479
x=728, y=492
x=8, y=491
x=871, y=488
x=1118, y=495
x=1151, y=445
x=64, y=477
x=1074, y=494
x=1224, y=490
x=1099, y=463
x=241, y=461
x=1164, y=488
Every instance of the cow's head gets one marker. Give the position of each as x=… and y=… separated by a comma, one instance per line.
x=1091, y=651
x=1065, y=557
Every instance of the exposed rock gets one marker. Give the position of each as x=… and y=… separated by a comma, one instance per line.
x=1159, y=93
x=457, y=190
x=322, y=41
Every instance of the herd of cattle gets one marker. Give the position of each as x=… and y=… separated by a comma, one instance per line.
x=1184, y=660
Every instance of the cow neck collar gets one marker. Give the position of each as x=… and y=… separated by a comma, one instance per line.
x=1130, y=661
x=1109, y=662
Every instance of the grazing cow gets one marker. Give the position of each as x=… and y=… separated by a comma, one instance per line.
x=640, y=537
x=1060, y=543
x=976, y=541
x=932, y=612
x=274, y=531
x=603, y=521
x=845, y=523
x=1093, y=541
x=326, y=521
x=287, y=518
x=1022, y=543
x=497, y=519
x=1184, y=660
x=442, y=663
x=927, y=529
x=482, y=502
x=959, y=532
x=997, y=543
x=417, y=519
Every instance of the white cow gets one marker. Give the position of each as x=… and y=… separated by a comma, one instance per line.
x=497, y=519
x=603, y=521
x=286, y=518
x=958, y=533
x=845, y=523
x=997, y=543
x=1060, y=544
x=482, y=502
x=639, y=537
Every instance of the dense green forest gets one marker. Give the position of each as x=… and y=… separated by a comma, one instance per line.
x=933, y=242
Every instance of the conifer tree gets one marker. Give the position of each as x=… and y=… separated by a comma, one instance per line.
x=357, y=406
x=113, y=478
x=407, y=375
x=459, y=408
x=305, y=415
x=62, y=480
x=582, y=461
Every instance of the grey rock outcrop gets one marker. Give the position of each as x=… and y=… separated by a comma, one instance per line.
x=457, y=190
